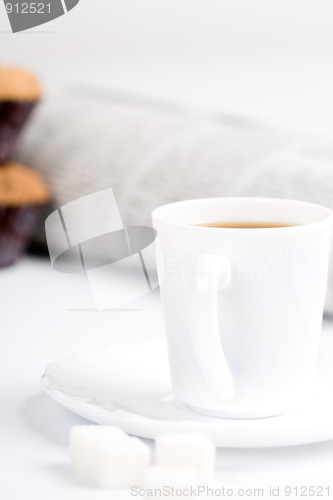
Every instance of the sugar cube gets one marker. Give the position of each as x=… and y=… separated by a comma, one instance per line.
x=107, y=456
x=118, y=464
x=83, y=437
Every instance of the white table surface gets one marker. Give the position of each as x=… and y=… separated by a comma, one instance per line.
x=44, y=317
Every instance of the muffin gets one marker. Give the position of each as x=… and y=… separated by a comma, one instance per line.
x=19, y=93
x=23, y=197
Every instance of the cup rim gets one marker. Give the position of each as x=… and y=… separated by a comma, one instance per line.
x=159, y=216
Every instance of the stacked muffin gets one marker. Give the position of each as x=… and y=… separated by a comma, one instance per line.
x=23, y=194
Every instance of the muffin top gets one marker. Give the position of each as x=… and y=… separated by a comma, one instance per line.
x=19, y=185
x=18, y=85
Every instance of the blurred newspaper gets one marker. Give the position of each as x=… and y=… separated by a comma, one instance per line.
x=151, y=154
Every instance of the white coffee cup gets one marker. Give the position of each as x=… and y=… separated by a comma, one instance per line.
x=243, y=306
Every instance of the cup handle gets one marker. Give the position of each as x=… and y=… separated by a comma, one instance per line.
x=213, y=273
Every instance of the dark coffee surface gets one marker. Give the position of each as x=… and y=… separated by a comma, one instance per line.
x=245, y=224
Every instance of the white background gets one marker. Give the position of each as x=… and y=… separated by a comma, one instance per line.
x=268, y=59
x=259, y=58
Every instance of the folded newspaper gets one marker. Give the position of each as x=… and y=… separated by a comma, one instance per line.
x=152, y=154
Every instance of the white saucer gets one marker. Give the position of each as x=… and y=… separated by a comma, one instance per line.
x=129, y=386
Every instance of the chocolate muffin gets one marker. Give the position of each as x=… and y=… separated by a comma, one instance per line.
x=19, y=93
x=23, y=196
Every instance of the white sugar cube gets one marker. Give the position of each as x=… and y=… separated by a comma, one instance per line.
x=190, y=450
x=107, y=456
x=170, y=481
x=118, y=464
x=83, y=437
